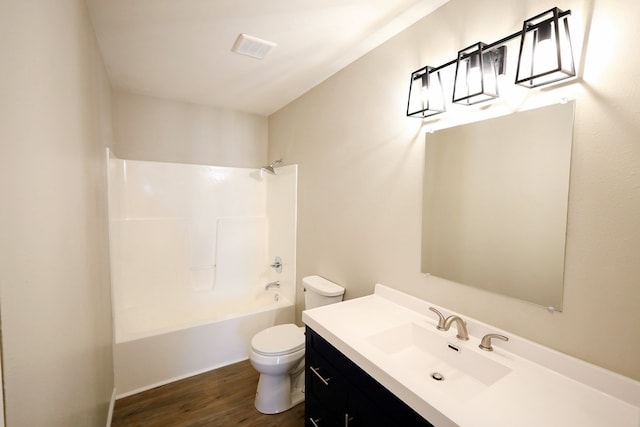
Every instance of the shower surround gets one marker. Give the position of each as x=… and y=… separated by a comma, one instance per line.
x=191, y=248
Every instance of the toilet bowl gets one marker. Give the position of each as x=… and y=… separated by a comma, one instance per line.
x=277, y=353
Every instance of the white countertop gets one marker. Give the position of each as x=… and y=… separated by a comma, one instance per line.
x=544, y=387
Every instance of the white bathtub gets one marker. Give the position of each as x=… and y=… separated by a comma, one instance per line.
x=205, y=336
x=191, y=248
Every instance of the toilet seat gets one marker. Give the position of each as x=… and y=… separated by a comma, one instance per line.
x=278, y=340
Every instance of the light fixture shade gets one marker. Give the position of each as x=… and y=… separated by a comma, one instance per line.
x=426, y=97
x=546, y=54
x=476, y=79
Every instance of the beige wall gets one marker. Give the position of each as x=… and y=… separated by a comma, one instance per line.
x=147, y=128
x=54, y=280
x=360, y=173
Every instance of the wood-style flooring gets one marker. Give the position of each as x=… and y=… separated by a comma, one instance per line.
x=222, y=397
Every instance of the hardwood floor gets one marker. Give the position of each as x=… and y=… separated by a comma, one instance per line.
x=223, y=397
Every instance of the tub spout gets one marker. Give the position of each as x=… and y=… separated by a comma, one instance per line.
x=275, y=284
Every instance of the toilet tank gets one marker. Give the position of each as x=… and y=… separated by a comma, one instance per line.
x=319, y=291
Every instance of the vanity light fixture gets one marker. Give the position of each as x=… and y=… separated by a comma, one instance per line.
x=545, y=50
x=426, y=96
x=477, y=71
x=545, y=57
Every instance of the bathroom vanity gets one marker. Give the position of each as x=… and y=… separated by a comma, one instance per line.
x=380, y=361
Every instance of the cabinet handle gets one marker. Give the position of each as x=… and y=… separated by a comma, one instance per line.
x=314, y=422
x=325, y=381
x=347, y=418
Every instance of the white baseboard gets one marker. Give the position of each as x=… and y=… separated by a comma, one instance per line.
x=112, y=404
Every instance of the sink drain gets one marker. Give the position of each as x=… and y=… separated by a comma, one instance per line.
x=437, y=376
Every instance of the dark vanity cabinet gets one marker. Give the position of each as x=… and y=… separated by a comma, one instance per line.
x=339, y=393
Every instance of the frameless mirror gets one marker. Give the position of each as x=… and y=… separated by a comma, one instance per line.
x=495, y=202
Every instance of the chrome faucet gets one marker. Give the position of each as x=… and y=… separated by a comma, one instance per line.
x=461, y=325
x=485, y=344
x=275, y=284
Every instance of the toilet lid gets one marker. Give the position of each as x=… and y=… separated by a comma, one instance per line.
x=278, y=340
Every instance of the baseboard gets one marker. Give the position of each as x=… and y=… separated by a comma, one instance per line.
x=112, y=404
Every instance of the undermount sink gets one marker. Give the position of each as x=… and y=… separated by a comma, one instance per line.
x=429, y=356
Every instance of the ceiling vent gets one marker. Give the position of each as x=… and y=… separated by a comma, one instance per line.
x=252, y=46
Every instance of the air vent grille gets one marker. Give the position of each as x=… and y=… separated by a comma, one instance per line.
x=252, y=46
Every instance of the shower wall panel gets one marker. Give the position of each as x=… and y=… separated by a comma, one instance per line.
x=183, y=233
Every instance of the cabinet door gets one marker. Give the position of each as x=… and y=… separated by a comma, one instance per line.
x=326, y=387
x=316, y=415
x=362, y=412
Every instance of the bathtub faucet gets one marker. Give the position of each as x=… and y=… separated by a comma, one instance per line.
x=275, y=284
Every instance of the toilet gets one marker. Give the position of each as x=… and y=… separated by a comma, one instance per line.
x=277, y=353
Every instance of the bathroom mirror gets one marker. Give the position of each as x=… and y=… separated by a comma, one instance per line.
x=495, y=202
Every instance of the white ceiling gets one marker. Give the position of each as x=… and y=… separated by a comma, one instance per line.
x=181, y=49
